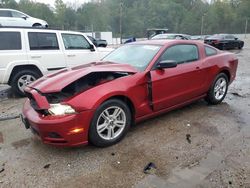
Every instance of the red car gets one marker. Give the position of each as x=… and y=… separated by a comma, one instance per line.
x=98, y=102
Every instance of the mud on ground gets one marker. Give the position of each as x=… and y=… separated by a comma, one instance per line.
x=195, y=146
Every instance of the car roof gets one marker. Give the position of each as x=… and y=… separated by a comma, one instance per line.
x=165, y=42
x=8, y=9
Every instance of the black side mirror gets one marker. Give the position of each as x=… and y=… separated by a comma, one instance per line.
x=166, y=64
x=236, y=38
x=92, y=48
x=24, y=17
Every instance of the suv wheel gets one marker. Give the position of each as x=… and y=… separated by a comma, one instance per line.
x=21, y=79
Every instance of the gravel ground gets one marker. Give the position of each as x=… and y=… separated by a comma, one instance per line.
x=195, y=146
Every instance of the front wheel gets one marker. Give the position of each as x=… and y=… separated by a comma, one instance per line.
x=218, y=90
x=110, y=123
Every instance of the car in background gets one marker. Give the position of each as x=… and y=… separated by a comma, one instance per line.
x=98, y=42
x=11, y=17
x=170, y=36
x=27, y=54
x=98, y=102
x=199, y=37
x=224, y=41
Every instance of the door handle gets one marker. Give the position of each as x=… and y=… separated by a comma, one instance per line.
x=71, y=55
x=197, y=68
x=35, y=56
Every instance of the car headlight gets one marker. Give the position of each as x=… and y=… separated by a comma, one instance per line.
x=60, y=109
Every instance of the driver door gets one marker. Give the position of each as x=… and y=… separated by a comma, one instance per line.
x=173, y=86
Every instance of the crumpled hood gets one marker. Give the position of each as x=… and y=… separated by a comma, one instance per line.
x=55, y=82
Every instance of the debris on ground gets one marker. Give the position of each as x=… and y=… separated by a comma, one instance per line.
x=46, y=166
x=196, y=163
x=2, y=169
x=188, y=125
x=113, y=154
x=150, y=168
x=9, y=117
x=188, y=137
x=237, y=94
x=1, y=137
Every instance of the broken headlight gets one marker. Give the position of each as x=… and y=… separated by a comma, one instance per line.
x=60, y=109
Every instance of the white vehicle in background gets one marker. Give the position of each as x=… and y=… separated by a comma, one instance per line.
x=11, y=17
x=29, y=53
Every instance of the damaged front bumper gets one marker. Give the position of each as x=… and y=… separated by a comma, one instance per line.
x=66, y=130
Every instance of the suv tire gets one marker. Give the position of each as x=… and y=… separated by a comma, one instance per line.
x=21, y=79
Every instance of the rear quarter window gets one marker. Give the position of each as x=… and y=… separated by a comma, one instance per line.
x=210, y=51
x=5, y=13
x=10, y=41
x=43, y=41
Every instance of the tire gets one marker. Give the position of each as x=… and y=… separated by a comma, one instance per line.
x=104, y=121
x=36, y=25
x=240, y=46
x=21, y=79
x=216, y=97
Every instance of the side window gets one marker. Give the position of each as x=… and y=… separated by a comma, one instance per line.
x=5, y=13
x=43, y=41
x=75, y=42
x=10, y=41
x=229, y=37
x=182, y=53
x=17, y=14
x=210, y=51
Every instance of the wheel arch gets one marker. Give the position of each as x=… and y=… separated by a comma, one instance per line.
x=227, y=73
x=36, y=24
x=18, y=68
x=127, y=101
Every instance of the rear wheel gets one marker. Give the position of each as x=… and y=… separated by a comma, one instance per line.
x=218, y=90
x=110, y=123
x=240, y=46
x=21, y=79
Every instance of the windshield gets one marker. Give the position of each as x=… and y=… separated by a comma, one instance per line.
x=138, y=56
x=216, y=36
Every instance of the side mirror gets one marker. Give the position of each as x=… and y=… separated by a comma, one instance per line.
x=24, y=17
x=92, y=48
x=166, y=64
x=236, y=38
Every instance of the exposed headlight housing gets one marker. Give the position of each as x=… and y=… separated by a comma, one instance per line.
x=60, y=109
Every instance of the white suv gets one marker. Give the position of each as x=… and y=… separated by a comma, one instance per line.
x=11, y=17
x=27, y=54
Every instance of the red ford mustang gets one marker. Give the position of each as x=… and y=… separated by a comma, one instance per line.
x=98, y=102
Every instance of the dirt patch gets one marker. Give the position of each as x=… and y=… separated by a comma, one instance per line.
x=206, y=129
x=21, y=143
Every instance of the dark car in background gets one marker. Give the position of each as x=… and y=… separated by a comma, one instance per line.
x=98, y=42
x=170, y=36
x=224, y=41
